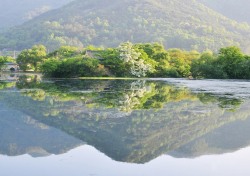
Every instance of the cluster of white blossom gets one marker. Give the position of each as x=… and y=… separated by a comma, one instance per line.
x=132, y=98
x=128, y=55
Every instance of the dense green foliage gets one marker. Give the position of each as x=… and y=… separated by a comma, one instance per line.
x=136, y=60
x=176, y=24
x=230, y=63
x=31, y=58
x=4, y=60
x=143, y=60
x=127, y=60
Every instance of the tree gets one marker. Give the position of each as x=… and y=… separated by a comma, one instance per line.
x=231, y=59
x=65, y=51
x=246, y=68
x=50, y=66
x=203, y=67
x=4, y=60
x=31, y=58
x=180, y=62
x=128, y=55
x=111, y=60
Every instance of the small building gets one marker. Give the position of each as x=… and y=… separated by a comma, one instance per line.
x=93, y=54
x=11, y=66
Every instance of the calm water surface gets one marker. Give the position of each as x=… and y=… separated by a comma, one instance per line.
x=123, y=127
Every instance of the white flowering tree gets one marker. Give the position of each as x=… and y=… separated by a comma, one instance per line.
x=128, y=55
x=131, y=98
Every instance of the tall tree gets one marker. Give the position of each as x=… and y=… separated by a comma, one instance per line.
x=30, y=58
x=4, y=60
x=231, y=59
x=128, y=55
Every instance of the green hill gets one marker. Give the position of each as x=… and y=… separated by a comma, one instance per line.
x=176, y=23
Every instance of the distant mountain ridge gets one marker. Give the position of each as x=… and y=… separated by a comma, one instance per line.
x=235, y=9
x=174, y=23
x=15, y=12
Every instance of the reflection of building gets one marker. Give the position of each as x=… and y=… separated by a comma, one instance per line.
x=93, y=54
x=10, y=66
x=9, y=77
x=28, y=77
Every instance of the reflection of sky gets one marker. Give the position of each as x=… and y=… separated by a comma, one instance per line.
x=228, y=88
x=86, y=161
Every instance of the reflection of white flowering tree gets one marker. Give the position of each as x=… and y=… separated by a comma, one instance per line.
x=128, y=55
x=132, y=98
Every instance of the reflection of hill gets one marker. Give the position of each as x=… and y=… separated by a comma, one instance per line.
x=20, y=134
x=160, y=118
x=229, y=138
x=5, y=85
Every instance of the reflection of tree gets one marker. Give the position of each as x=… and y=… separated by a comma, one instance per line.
x=131, y=99
x=28, y=81
x=5, y=85
x=125, y=95
x=230, y=104
x=36, y=94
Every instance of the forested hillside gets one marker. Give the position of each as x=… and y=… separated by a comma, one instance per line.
x=235, y=9
x=15, y=12
x=174, y=23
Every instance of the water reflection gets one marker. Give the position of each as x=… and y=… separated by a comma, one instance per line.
x=20, y=134
x=129, y=120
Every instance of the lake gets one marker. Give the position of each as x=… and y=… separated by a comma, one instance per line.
x=112, y=127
